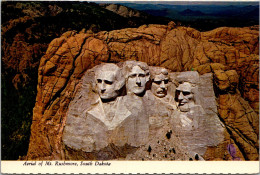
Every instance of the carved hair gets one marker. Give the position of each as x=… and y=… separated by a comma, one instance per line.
x=157, y=71
x=128, y=65
x=119, y=78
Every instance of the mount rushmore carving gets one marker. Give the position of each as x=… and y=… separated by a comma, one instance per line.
x=127, y=110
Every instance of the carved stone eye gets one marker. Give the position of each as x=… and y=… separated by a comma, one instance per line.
x=158, y=82
x=132, y=75
x=186, y=93
x=99, y=80
x=141, y=75
x=166, y=81
x=108, y=82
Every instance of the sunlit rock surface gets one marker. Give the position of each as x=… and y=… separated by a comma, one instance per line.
x=177, y=49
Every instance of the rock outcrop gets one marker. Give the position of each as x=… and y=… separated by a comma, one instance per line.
x=27, y=28
x=27, y=33
x=122, y=10
x=107, y=121
x=233, y=61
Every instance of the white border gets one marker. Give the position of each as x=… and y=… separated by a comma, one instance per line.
x=150, y=167
x=126, y=167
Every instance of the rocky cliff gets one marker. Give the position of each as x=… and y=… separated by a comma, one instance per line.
x=30, y=26
x=231, y=54
x=27, y=30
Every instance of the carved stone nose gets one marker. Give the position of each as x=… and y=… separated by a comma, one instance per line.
x=180, y=96
x=162, y=85
x=102, y=87
x=138, y=81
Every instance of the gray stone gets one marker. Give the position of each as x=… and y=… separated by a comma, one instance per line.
x=119, y=111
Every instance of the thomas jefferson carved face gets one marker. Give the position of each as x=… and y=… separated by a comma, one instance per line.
x=136, y=80
x=109, y=80
x=185, y=96
x=160, y=84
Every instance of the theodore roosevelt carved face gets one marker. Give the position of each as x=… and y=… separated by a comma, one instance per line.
x=137, y=75
x=109, y=80
x=160, y=80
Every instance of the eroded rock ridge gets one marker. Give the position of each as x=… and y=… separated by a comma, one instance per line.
x=222, y=52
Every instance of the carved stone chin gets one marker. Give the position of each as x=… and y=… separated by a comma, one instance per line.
x=109, y=80
x=185, y=97
x=137, y=75
x=160, y=81
x=136, y=81
x=106, y=85
x=108, y=120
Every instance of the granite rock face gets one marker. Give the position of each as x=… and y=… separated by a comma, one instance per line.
x=234, y=111
x=141, y=123
x=177, y=49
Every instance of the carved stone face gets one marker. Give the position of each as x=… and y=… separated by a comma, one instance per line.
x=185, y=96
x=160, y=85
x=136, y=81
x=105, y=81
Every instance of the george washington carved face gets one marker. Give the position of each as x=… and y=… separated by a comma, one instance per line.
x=109, y=81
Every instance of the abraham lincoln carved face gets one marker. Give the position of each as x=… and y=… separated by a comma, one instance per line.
x=185, y=96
